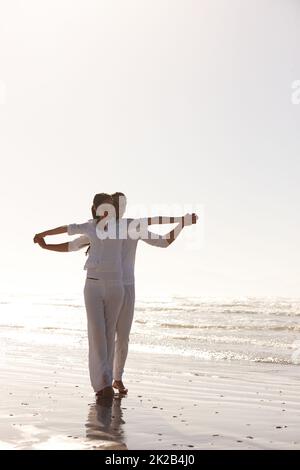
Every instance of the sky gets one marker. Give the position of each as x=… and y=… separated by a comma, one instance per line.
x=179, y=104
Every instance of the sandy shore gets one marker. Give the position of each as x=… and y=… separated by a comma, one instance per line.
x=173, y=403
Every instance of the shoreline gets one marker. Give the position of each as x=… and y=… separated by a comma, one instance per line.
x=173, y=403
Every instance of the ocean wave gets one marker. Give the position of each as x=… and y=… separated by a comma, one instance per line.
x=178, y=325
x=60, y=328
x=12, y=326
x=216, y=310
x=231, y=340
x=60, y=305
x=209, y=355
x=248, y=327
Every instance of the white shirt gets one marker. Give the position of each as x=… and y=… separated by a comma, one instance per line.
x=128, y=250
x=105, y=256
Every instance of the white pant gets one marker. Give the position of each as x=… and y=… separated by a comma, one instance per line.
x=123, y=330
x=103, y=301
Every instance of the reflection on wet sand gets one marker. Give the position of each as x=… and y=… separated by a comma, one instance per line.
x=105, y=423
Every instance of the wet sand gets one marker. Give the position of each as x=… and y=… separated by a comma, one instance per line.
x=173, y=403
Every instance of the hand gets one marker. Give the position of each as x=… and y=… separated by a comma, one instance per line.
x=40, y=240
x=194, y=218
x=42, y=243
x=36, y=238
x=190, y=219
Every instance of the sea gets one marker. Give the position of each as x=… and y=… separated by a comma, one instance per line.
x=211, y=329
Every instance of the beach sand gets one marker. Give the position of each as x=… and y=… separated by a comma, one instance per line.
x=173, y=403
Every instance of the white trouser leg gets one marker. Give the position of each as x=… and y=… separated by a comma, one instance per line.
x=113, y=304
x=123, y=331
x=103, y=302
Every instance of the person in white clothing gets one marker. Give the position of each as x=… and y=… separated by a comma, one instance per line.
x=103, y=293
x=129, y=247
x=110, y=270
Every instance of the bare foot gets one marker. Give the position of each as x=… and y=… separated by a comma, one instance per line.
x=106, y=392
x=118, y=384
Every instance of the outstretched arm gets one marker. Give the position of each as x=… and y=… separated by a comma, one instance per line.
x=39, y=238
x=186, y=219
x=73, y=245
x=189, y=219
x=54, y=231
x=71, y=229
x=63, y=247
x=163, y=241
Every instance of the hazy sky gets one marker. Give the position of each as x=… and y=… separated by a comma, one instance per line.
x=172, y=102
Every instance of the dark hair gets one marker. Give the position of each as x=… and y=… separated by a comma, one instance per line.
x=99, y=198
